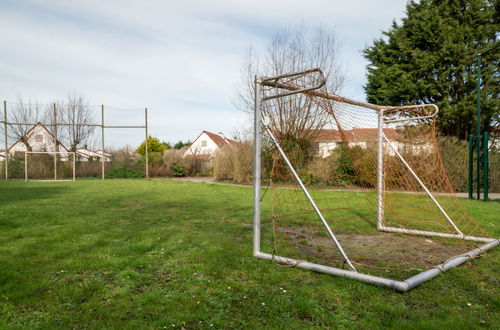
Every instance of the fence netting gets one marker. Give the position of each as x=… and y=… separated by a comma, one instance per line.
x=77, y=127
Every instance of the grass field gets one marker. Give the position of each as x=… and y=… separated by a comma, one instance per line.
x=170, y=254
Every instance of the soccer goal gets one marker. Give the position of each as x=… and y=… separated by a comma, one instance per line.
x=49, y=166
x=356, y=190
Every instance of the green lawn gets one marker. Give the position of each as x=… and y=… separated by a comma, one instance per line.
x=170, y=254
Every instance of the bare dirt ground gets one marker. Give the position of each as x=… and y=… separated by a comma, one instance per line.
x=381, y=251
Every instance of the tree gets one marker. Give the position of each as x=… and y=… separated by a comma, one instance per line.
x=293, y=50
x=431, y=58
x=154, y=145
x=24, y=112
x=76, y=112
x=180, y=144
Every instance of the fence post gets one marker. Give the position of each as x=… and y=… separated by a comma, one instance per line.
x=26, y=166
x=102, y=140
x=54, y=127
x=6, y=161
x=147, y=156
x=485, y=169
x=478, y=126
x=471, y=166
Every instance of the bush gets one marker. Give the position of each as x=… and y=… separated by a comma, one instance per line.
x=223, y=164
x=178, y=170
x=234, y=162
x=125, y=164
x=455, y=156
x=88, y=169
x=124, y=172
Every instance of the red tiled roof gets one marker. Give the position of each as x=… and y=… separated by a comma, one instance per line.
x=356, y=134
x=231, y=142
x=218, y=140
x=327, y=135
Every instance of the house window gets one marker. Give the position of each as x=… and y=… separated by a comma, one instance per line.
x=204, y=143
x=39, y=138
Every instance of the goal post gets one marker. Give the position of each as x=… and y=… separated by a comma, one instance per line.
x=45, y=166
x=390, y=190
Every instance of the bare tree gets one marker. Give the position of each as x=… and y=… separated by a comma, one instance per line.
x=76, y=112
x=293, y=50
x=24, y=113
x=53, y=116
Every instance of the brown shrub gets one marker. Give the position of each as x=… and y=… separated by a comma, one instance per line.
x=196, y=165
x=223, y=163
x=234, y=162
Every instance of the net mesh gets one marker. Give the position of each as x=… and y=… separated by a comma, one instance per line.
x=49, y=166
x=77, y=127
x=335, y=154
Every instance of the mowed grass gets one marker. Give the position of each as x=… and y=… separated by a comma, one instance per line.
x=155, y=254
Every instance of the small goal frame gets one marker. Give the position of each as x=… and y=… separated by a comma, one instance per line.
x=55, y=153
x=261, y=125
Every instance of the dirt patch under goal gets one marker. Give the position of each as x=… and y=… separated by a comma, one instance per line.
x=381, y=251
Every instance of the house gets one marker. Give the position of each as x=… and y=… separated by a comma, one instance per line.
x=207, y=144
x=85, y=155
x=328, y=140
x=41, y=139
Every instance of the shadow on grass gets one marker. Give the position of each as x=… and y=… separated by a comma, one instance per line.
x=29, y=192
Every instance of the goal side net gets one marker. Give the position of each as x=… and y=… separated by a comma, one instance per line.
x=355, y=189
x=49, y=166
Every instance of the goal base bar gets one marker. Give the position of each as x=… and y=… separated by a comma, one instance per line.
x=401, y=286
x=47, y=180
x=433, y=233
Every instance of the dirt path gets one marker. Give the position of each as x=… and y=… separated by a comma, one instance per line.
x=213, y=181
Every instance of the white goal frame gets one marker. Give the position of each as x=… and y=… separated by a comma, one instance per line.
x=261, y=125
x=55, y=153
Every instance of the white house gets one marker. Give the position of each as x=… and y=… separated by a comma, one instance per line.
x=41, y=139
x=328, y=140
x=85, y=155
x=207, y=144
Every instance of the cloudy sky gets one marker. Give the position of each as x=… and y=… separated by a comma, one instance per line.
x=180, y=59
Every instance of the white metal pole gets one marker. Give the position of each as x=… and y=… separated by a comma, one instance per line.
x=256, y=168
x=74, y=165
x=401, y=286
x=380, y=170
x=6, y=161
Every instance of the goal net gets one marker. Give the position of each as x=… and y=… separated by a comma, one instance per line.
x=49, y=166
x=356, y=189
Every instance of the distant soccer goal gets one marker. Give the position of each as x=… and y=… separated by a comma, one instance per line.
x=49, y=166
x=356, y=190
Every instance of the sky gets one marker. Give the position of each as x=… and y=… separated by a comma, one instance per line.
x=180, y=59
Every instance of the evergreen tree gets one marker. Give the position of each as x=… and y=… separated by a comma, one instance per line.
x=431, y=58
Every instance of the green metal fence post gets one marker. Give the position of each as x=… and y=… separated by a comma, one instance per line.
x=485, y=169
x=478, y=126
x=470, y=182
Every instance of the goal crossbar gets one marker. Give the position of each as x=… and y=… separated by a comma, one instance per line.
x=402, y=286
x=54, y=153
